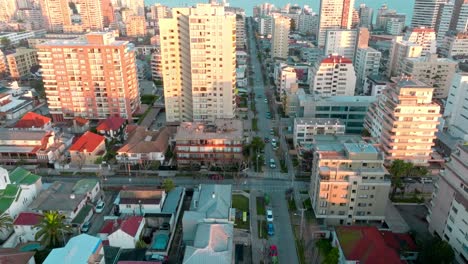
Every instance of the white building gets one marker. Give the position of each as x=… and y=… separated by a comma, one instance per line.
x=455, y=45
x=333, y=75
x=306, y=128
x=24, y=226
x=374, y=85
x=16, y=37
x=425, y=37
x=400, y=50
x=456, y=107
x=288, y=77
x=334, y=14
x=280, y=36
x=448, y=211
x=434, y=71
x=128, y=233
x=140, y=202
x=265, y=25
x=366, y=62
x=341, y=42
x=365, y=16
x=308, y=23
x=444, y=21
x=394, y=26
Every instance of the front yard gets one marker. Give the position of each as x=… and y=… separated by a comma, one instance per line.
x=241, y=203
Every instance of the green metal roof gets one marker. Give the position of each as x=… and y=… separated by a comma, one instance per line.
x=80, y=217
x=84, y=186
x=22, y=176
x=11, y=190
x=5, y=203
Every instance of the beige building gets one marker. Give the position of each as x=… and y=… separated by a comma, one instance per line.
x=7, y=10
x=455, y=45
x=348, y=182
x=3, y=64
x=434, y=71
x=135, y=26
x=94, y=78
x=280, y=36
x=158, y=11
x=425, y=37
x=198, y=51
x=91, y=15
x=448, y=210
x=288, y=78
x=240, y=32
x=341, y=41
x=334, y=14
x=306, y=128
x=333, y=75
x=56, y=14
x=404, y=120
x=400, y=50
x=20, y=62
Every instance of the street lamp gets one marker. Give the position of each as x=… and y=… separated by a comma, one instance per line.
x=141, y=211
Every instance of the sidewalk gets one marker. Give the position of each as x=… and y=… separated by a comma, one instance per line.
x=256, y=242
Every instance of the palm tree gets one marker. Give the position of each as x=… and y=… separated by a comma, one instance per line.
x=5, y=222
x=52, y=229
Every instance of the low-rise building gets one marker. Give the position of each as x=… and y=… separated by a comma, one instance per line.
x=288, y=78
x=16, y=37
x=24, y=226
x=13, y=106
x=205, y=144
x=20, y=62
x=333, y=75
x=78, y=250
x=375, y=84
x=33, y=121
x=87, y=149
x=367, y=244
x=78, y=125
x=306, y=128
x=448, y=211
x=128, y=233
x=144, y=146
x=140, y=201
x=14, y=255
x=112, y=128
x=349, y=183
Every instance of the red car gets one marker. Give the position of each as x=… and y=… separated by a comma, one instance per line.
x=274, y=254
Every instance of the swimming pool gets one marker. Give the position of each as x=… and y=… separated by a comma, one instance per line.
x=30, y=247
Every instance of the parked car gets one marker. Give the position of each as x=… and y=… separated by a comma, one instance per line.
x=273, y=142
x=267, y=140
x=272, y=131
x=269, y=215
x=426, y=180
x=266, y=100
x=100, y=207
x=274, y=254
x=409, y=180
x=165, y=226
x=85, y=227
x=272, y=164
x=271, y=229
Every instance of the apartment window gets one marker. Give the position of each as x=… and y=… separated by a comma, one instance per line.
x=449, y=228
x=454, y=210
x=364, y=188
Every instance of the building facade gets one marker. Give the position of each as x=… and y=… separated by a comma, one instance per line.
x=341, y=41
x=399, y=50
x=280, y=36
x=425, y=13
x=93, y=78
x=425, y=37
x=334, y=14
x=306, y=128
x=333, y=75
x=404, y=120
x=20, y=62
x=455, y=45
x=135, y=26
x=199, y=73
x=448, y=209
x=456, y=107
x=349, y=183
x=56, y=14
x=91, y=15
x=366, y=63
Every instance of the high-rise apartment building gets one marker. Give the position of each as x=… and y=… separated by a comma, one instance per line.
x=431, y=70
x=32, y=18
x=448, y=211
x=453, y=16
x=107, y=12
x=240, y=32
x=365, y=16
x=349, y=182
x=288, y=78
x=280, y=36
x=404, y=120
x=456, y=107
x=333, y=75
x=135, y=26
x=366, y=63
x=158, y=11
x=137, y=6
x=20, y=62
x=198, y=51
x=91, y=15
x=57, y=14
x=334, y=14
x=455, y=45
x=94, y=78
x=425, y=37
x=8, y=10
x=444, y=21
x=425, y=13
x=341, y=42
x=400, y=50
x=3, y=64
x=265, y=25
x=308, y=23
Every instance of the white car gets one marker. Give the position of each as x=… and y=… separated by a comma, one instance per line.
x=100, y=207
x=269, y=215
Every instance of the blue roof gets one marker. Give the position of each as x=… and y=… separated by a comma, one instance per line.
x=172, y=200
x=76, y=251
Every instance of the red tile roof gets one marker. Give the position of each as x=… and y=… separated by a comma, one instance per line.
x=111, y=123
x=81, y=121
x=336, y=59
x=110, y=226
x=366, y=245
x=32, y=120
x=88, y=141
x=28, y=219
x=131, y=225
x=399, y=241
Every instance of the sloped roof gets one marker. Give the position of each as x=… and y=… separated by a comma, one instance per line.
x=87, y=142
x=131, y=225
x=76, y=251
x=81, y=121
x=7, y=196
x=214, y=200
x=14, y=256
x=145, y=196
x=23, y=176
x=111, y=123
x=366, y=245
x=110, y=226
x=142, y=140
x=32, y=120
x=84, y=186
x=28, y=219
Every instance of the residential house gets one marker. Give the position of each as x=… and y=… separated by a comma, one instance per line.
x=24, y=226
x=140, y=201
x=13, y=106
x=79, y=125
x=128, y=233
x=33, y=121
x=144, y=146
x=87, y=149
x=112, y=128
x=17, y=190
x=16, y=256
x=79, y=250
x=367, y=244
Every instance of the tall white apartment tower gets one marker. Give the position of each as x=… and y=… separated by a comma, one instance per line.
x=425, y=13
x=198, y=53
x=334, y=14
x=280, y=33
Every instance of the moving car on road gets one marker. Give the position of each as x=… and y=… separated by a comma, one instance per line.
x=85, y=227
x=100, y=207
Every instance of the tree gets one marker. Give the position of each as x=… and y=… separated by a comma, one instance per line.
x=5, y=222
x=436, y=251
x=398, y=169
x=141, y=244
x=257, y=144
x=332, y=257
x=6, y=42
x=52, y=229
x=168, y=185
